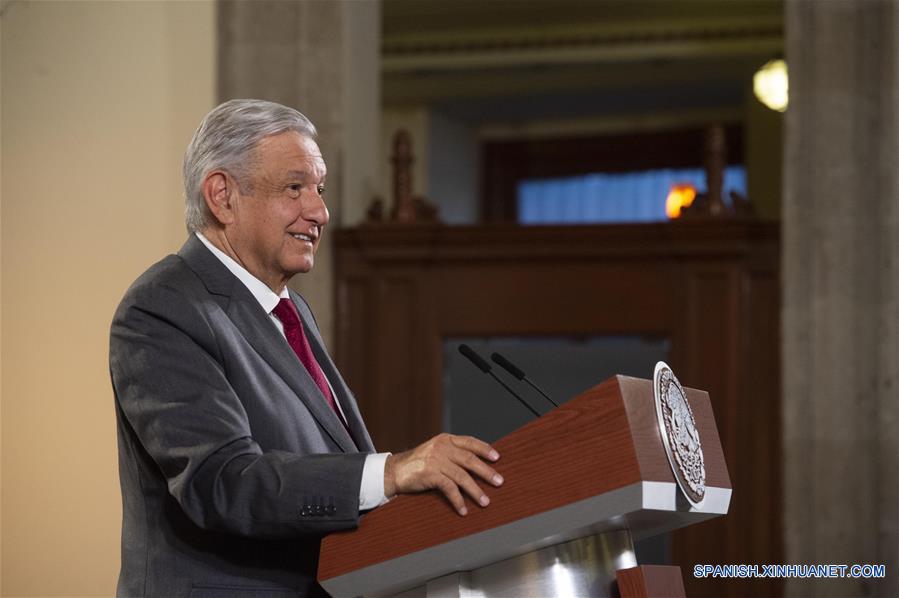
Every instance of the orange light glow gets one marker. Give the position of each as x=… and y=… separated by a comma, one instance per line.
x=680, y=196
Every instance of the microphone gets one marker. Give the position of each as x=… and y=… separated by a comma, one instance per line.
x=512, y=369
x=482, y=365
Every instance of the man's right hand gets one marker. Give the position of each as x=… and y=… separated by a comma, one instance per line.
x=446, y=463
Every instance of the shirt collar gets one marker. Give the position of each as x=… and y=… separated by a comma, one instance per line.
x=264, y=295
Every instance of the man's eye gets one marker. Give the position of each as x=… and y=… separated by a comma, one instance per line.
x=321, y=189
x=294, y=189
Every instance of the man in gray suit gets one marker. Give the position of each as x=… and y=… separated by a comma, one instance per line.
x=240, y=445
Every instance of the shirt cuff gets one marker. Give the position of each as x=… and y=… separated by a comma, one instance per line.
x=371, y=494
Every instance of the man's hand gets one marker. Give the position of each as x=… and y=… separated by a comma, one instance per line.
x=446, y=463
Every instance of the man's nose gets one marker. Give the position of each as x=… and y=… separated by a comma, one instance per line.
x=316, y=211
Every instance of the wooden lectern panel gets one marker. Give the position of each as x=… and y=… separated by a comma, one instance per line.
x=582, y=468
x=539, y=475
x=650, y=581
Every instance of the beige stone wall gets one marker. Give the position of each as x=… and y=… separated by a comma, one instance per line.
x=99, y=100
x=841, y=293
x=323, y=59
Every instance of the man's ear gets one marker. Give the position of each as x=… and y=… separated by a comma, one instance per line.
x=220, y=192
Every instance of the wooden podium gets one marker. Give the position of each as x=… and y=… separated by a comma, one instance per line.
x=581, y=484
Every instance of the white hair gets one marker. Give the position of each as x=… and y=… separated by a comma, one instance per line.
x=226, y=140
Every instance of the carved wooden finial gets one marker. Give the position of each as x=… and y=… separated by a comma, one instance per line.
x=711, y=203
x=403, y=205
x=406, y=207
x=715, y=163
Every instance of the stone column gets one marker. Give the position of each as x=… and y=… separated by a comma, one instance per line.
x=322, y=58
x=841, y=292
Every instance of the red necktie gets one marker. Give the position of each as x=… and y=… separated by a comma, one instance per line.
x=286, y=311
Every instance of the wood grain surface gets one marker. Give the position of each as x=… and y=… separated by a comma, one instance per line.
x=579, y=450
x=606, y=438
x=650, y=581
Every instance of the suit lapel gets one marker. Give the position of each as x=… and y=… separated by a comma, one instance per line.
x=341, y=390
x=255, y=325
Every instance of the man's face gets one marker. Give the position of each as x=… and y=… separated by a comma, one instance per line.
x=279, y=220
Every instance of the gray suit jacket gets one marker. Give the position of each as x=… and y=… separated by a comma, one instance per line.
x=232, y=465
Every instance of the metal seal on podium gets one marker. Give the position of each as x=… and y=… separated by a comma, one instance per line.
x=679, y=434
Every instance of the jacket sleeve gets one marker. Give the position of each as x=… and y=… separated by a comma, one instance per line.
x=172, y=389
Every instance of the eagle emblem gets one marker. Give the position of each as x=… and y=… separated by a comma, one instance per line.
x=679, y=434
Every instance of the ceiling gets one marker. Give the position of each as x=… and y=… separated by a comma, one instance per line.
x=437, y=17
x=486, y=61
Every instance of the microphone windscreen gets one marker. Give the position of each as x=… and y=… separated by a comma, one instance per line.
x=507, y=365
x=474, y=358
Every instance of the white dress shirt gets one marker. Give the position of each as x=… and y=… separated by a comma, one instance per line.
x=371, y=494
